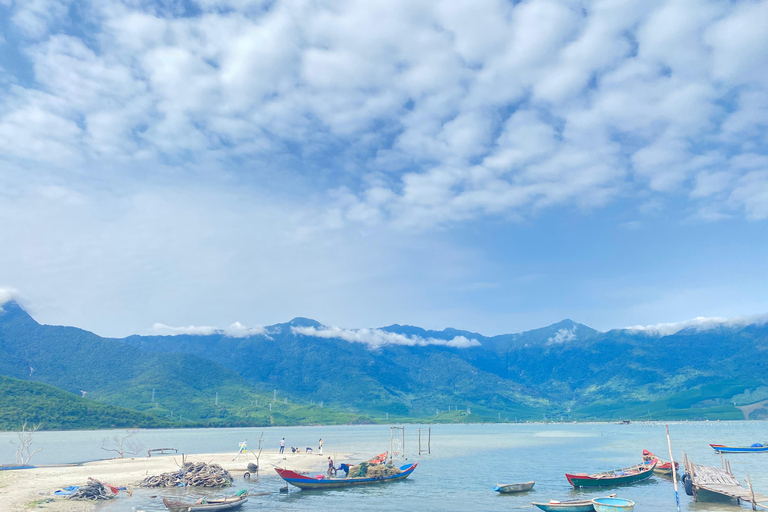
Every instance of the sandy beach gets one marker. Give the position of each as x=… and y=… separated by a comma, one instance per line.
x=23, y=490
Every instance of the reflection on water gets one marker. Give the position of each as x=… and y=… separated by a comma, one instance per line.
x=466, y=462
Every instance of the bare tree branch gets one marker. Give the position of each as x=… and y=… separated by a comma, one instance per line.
x=23, y=453
x=122, y=444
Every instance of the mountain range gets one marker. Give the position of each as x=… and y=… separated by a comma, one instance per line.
x=302, y=372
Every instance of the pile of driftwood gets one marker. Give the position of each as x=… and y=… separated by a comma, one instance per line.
x=194, y=474
x=92, y=491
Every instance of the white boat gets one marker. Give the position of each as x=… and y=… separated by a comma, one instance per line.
x=506, y=488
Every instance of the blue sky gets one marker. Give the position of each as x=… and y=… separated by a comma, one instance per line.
x=491, y=166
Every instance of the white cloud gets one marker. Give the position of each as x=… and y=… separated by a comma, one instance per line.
x=6, y=295
x=422, y=91
x=563, y=336
x=191, y=329
x=236, y=330
x=377, y=338
x=700, y=324
x=751, y=190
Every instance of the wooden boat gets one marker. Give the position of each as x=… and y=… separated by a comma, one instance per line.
x=621, y=476
x=207, y=506
x=613, y=505
x=755, y=448
x=662, y=467
x=507, y=488
x=322, y=482
x=568, y=506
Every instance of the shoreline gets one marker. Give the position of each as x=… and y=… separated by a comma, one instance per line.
x=23, y=489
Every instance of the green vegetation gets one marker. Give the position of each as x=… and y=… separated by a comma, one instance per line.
x=566, y=371
x=55, y=409
x=188, y=390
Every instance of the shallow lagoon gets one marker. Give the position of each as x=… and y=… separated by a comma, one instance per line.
x=465, y=463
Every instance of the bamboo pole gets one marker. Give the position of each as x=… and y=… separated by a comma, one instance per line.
x=674, y=471
x=751, y=492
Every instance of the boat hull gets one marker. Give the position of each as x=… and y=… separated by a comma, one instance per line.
x=304, y=482
x=177, y=506
x=574, y=506
x=511, y=488
x=613, y=505
x=604, y=480
x=739, y=449
x=662, y=467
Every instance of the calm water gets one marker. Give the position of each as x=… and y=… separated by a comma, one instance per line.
x=466, y=462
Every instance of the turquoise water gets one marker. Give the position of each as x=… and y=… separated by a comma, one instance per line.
x=460, y=473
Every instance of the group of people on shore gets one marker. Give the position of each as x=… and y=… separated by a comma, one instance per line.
x=296, y=449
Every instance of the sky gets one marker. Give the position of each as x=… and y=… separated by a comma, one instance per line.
x=491, y=166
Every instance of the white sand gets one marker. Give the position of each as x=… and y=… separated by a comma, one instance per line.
x=22, y=490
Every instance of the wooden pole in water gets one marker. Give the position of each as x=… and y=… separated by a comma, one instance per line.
x=429, y=440
x=674, y=471
x=751, y=492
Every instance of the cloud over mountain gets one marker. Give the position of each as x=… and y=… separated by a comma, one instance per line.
x=377, y=338
x=236, y=330
x=700, y=324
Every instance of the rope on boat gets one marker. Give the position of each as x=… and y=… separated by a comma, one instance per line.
x=193, y=474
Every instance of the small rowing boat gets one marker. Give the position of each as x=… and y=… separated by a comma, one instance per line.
x=204, y=505
x=507, y=488
x=621, y=476
x=755, y=448
x=568, y=506
x=662, y=467
x=613, y=505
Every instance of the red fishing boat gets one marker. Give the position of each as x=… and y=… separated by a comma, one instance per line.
x=662, y=467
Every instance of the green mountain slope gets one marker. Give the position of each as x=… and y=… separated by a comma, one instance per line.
x=565, y=370
x=186, y=388
x=55, y=409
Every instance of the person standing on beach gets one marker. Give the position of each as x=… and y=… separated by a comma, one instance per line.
x=282, y=445
x=320, y=446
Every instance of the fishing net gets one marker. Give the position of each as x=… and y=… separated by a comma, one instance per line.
x=364, y=469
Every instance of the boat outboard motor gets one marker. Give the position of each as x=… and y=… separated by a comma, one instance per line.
x=688, y=484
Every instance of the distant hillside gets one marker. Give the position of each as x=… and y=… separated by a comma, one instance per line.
x=189, y=389
x=563, y=371
x=55, y=409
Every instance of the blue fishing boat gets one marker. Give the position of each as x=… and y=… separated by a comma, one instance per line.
x=755, y=448
x=323, y=482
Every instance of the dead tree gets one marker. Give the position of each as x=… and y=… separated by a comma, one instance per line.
x=122, y=444
x=254, y=468
x=23, y=452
